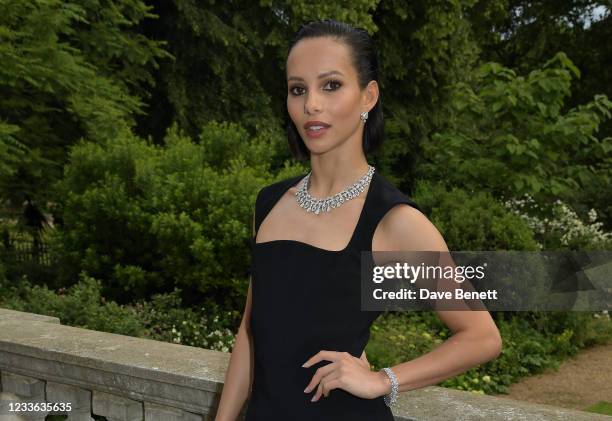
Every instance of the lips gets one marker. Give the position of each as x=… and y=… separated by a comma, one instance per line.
x=316, y=129
x=314, y=124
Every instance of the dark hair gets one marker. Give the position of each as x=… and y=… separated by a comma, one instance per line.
x=364, y=60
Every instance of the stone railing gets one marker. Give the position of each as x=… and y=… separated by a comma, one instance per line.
x=124, y=378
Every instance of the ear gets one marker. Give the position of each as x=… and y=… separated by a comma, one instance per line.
x=370, y=95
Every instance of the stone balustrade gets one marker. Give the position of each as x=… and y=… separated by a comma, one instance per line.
x=124, y=378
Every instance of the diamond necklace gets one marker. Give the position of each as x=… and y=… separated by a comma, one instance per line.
x=316, y=206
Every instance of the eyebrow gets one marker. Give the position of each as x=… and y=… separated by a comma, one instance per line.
x=321, y=76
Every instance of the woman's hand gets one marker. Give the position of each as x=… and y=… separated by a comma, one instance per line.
x=348, y=373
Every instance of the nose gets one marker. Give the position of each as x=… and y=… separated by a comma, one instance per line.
x=312, y=104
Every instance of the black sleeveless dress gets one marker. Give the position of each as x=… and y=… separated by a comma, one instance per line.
x=306, y=299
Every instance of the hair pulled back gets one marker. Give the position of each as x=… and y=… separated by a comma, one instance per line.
x=364, y=59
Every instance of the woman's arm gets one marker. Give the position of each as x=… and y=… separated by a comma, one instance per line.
x=475, y=338
x=239, y=375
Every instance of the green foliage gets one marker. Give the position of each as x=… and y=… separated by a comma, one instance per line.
x=473, y=221
x=423, y=46
x=69, y=69
x=509, y=136
x=145, y=219
x=532, y=31
x=532, y=343
x=11, y=149
x=80, y=305
x=399, y=337
x=163, y=318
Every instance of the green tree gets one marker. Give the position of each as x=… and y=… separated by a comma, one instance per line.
x=509, y=136
x=425, y=46
x=70, y=69
x=523, y=34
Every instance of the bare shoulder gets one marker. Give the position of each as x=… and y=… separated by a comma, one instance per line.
x=406, y=228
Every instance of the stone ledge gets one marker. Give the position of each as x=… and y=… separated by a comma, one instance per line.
x=435, y=403
x=141, y=369
x=190, y=379
x=6, y=314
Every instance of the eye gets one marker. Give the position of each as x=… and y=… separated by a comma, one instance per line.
x=335, y=83
x=292, y=90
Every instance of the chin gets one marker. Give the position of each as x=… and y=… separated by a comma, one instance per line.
x=312, y=144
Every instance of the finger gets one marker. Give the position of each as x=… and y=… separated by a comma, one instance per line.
x=318, y=394
x=324, y=385
x=319, y=374
x=331, y=385
x=323, y=355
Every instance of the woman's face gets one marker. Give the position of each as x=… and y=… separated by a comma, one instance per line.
x=322, y=87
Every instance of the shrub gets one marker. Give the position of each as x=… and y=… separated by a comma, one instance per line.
x=161, y=319
x=80, y=305
x=207, y=327
x=145, y=219
x=473, y=221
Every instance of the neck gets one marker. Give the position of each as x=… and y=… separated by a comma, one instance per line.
x=330, y=176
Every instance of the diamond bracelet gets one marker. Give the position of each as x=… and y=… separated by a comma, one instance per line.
x=391, y=398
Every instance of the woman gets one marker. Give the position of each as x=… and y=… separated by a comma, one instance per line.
x=302, y=325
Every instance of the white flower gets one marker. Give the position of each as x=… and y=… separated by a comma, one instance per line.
x=565, y=223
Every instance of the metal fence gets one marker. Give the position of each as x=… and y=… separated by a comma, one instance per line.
x=24, y=251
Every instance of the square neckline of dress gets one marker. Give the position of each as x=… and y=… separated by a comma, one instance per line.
x=312, y=246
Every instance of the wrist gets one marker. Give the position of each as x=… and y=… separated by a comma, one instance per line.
x=385, y=383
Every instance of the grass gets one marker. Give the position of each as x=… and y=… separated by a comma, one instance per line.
x=601, y=407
